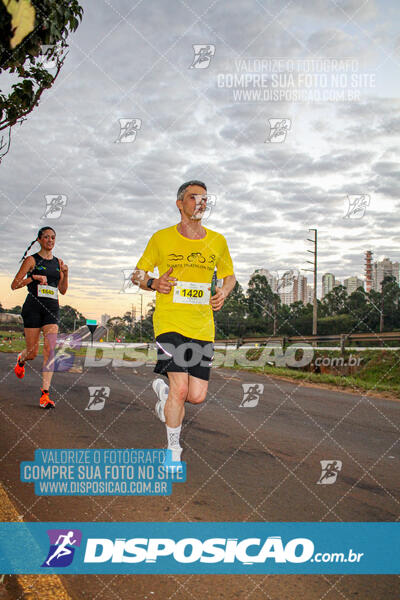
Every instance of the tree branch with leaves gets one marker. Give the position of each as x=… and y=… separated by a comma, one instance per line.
x=33, y=42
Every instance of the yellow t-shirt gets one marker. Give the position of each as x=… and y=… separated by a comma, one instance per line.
x=193, y=262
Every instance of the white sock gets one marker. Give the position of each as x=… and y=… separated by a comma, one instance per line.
x=173, y=434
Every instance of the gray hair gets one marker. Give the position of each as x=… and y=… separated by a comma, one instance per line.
x=182, y=188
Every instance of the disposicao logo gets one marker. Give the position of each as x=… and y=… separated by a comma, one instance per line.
x=61, y=551
x=190, y=550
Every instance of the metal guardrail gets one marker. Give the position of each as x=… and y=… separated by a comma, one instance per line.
x=341, y=339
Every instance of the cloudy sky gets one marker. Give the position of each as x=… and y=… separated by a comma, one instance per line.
x=132, y=60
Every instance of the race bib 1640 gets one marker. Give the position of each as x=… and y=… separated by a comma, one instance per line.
x=47, y=291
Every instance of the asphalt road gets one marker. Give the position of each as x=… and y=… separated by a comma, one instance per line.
x=244, y=464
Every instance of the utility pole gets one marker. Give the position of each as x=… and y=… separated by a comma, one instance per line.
x=382, y=307
x=314, y=263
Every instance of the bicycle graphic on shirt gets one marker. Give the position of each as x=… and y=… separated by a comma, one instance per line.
x=196, y=256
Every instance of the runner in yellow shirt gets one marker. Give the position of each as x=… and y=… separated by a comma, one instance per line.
x=186, y=255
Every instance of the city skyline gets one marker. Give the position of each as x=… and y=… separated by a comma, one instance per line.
x=305, y=293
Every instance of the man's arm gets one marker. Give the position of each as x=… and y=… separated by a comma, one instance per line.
x=217, y=301
x=229, y=284
x=140, y=278
x=162, y=285
x=148, y=261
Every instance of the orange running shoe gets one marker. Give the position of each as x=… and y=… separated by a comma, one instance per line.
x=18, y=370
x=45, y=401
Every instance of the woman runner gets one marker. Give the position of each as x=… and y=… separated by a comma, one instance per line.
x=45, y=275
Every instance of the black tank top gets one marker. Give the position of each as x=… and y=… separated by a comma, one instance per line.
x=49, y=268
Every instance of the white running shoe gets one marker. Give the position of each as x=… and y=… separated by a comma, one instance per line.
x=176, y=452
x=161, y=389
x=172, y=462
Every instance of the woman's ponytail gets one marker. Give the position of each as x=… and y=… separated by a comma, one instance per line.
x=27, y=250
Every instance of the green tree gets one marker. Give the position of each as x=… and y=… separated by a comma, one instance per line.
x=260, y=298
x=297, y=309
x=391, y=293
x=295, y=319
x=117, y=326
x=373, y=310
x=25, y=28
x=143, y=330
x=70, y=317
x=357, y=306
x=231, y=319
x=16, y=310
x=334, y=325
x=335, y=303
x=127, y=319
x=283, y=317
x=260, y=302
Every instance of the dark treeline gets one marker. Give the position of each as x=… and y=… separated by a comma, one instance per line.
x=259, y=311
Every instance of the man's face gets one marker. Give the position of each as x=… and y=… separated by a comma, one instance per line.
x=194, y=202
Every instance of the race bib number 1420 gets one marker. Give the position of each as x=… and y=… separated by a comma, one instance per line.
x=189, y=292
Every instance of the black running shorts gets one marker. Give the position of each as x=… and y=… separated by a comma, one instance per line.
x=35, y=314
x=177, y=353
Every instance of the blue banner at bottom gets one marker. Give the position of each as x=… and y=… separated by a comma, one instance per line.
x=212, y=548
